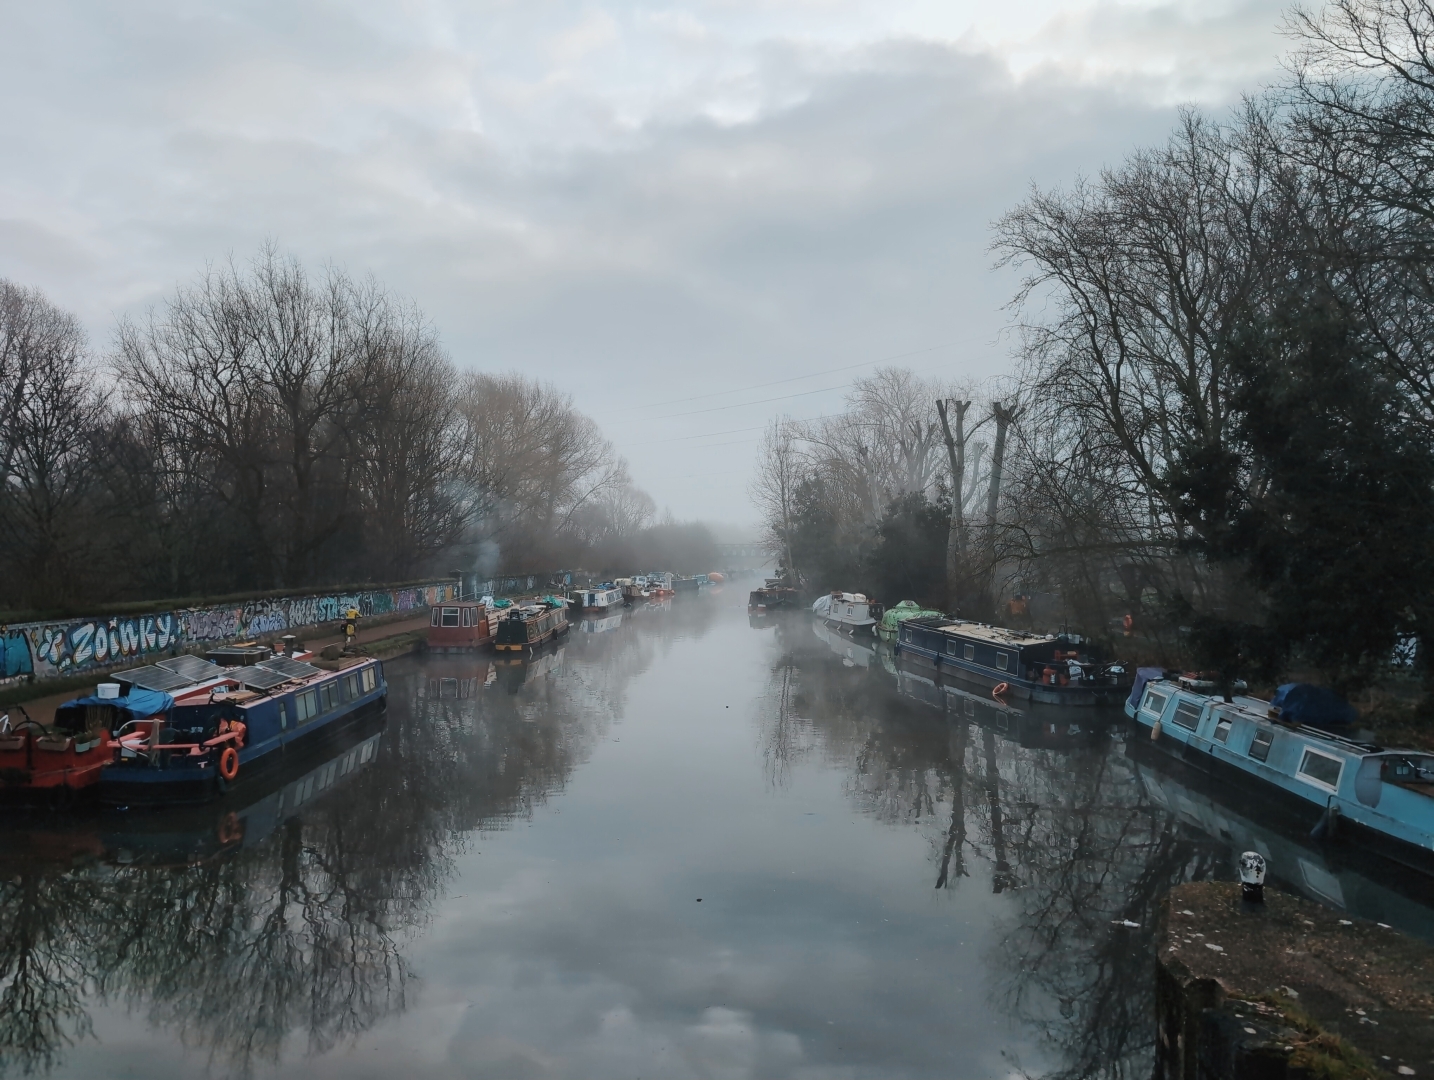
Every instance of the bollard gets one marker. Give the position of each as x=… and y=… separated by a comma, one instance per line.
x=1252, y=877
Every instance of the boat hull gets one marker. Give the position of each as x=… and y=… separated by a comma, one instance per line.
x=958, y=670
x=140, y=786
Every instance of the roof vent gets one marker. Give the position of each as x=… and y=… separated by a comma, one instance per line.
x=107, y=690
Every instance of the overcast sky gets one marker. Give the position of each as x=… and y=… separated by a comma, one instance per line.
x=645, y=202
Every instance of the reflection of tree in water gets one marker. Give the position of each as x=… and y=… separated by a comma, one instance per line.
x=296, y=934
x=1065, y=833
x=43, y=976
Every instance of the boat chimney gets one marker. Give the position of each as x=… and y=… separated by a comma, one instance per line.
x=291, y=644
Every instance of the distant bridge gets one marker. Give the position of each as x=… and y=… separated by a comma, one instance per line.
x=744, y=552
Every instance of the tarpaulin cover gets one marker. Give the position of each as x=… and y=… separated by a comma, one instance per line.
x=139, y=704
x=1317, y=706
x=1143, y=675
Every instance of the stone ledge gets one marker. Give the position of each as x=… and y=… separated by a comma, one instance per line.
x=1287, y=989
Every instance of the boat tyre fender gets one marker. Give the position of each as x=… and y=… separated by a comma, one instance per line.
x=230, y=829
x=228, y=764
x=1328, y=823
x=999, y=690
x=1155, y=731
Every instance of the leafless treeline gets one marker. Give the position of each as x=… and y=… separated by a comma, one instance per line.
x=266, y=427
x=1174, y=311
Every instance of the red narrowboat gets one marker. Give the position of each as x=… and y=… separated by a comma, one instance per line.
x=460, y=625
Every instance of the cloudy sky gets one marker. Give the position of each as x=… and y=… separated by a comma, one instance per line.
x=691, y=215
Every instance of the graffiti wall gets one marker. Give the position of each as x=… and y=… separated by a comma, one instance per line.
x=45, y=650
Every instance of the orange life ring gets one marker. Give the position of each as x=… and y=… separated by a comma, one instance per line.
x=999, y=689
x=229, y=763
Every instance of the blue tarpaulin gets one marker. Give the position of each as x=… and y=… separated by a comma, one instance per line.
x=139, y=704
x=1143, y=675
x=1317, y=706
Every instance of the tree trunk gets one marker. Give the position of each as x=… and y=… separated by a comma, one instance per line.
x=956, y=529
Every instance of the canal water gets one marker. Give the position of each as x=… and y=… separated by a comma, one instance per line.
x=685, y=843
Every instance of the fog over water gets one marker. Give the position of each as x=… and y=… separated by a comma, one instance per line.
x=680, y=845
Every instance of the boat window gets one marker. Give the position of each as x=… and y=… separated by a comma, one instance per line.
x=433, y=621
x=351, y=689
x=306, y=705
x=951, y=647
x=1002, y=660
x=450, y=616
x=1154, y=702
x=283, y=715
x=468, y=616
x=905, y=633
x=970, y=653
x=1222, y=730
x=327, y=695
x=1260, y=745
x=1320, y=768
x=368, y=679
x=1187, y=715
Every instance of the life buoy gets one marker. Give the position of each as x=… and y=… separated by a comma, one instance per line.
x=999, y=689
x=229, y=763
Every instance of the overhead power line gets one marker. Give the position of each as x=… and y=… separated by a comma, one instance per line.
x=810, y=375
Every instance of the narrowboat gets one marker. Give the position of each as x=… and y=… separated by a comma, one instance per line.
x=600, y=599
x=526, y=626
x=1338, y=785
x=1358, y=882
x=233, y=727
x=773, y=596
x=1055, y=669
x=460, y=626
x=890, y=626
x=688, y=584
x=851, y=613
x=67, y=755
x=634, y=590
x=659, y=585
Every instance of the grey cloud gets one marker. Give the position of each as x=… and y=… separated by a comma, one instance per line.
x=556, y=217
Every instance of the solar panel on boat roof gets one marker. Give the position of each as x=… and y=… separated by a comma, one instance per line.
x=257, y=678
x=153, y=678
x=289, y=667
x=192, y=668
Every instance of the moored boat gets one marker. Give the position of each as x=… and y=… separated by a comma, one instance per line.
x=234, y=726
x=1339, y=784
x=773, y=596
x=851, y=613
x=460, y=626
x=526, y=626
x=892, y=618
x=660, y=585
x=1056, y=669
x=600, y=599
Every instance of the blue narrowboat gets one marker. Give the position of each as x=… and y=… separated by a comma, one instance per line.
x=1338, y=784
x=246, y=720
x=1055, y=669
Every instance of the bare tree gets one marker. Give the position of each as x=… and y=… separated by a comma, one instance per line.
x=780, y=470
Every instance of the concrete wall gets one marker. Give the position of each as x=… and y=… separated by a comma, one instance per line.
x=45, y=650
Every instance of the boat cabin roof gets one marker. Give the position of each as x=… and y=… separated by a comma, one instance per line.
x=992, y=635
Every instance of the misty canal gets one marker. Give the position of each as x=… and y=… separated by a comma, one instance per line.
x=680, y=845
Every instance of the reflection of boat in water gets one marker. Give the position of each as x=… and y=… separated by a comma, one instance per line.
x=854, y=652
x=515, y=674
x=1034, y=727
x=601, y=626
x=186, y=835
x=1376, y=891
